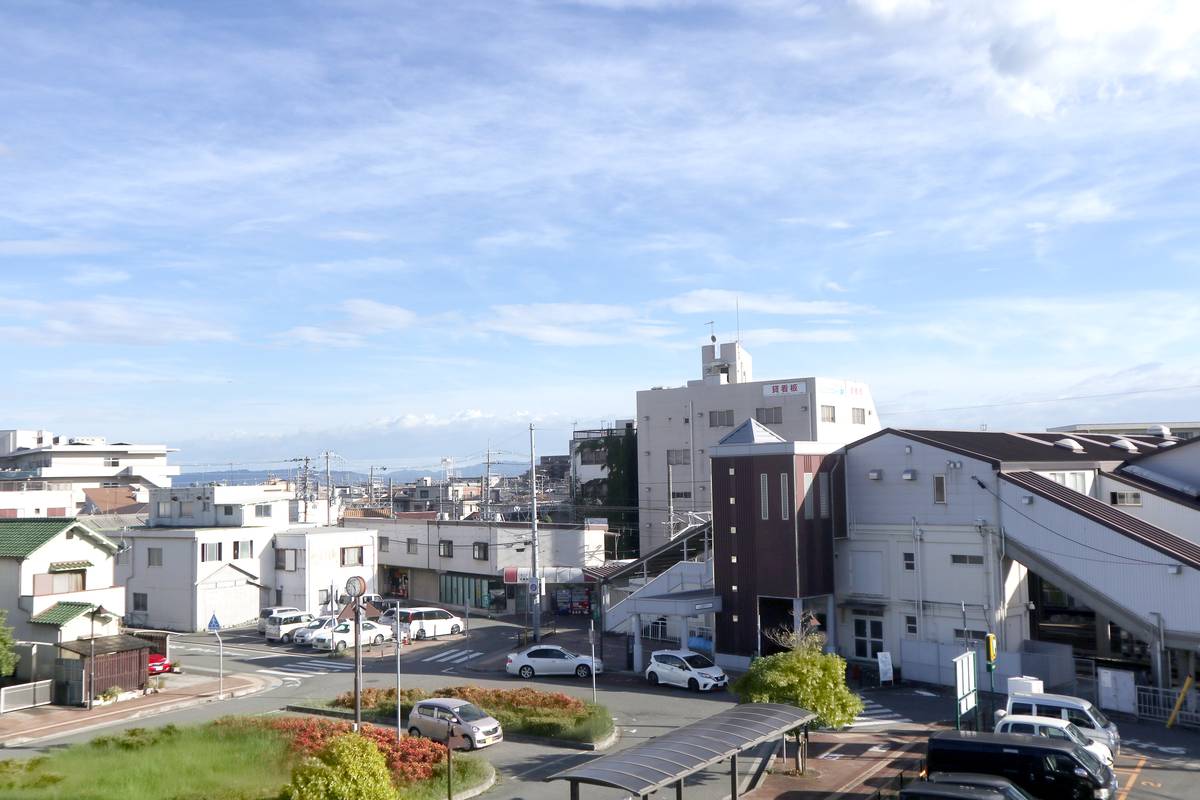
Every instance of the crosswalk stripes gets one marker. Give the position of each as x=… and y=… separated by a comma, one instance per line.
x=454, y=656
x=875, y=714
x=307, y=669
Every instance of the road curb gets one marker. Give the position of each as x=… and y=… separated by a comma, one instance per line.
x=765, y=755
x=141, y=713
x=481, y=788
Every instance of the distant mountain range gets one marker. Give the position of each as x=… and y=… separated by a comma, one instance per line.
x=247, y=477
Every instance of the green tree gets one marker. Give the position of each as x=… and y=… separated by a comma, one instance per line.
x=349, y=768
x=8, y=656
x=804, y=676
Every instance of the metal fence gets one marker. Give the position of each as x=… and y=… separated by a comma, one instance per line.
x=1157, y=704
x=25, y=695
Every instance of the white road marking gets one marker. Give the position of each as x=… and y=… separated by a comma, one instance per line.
x=444, y=656
x=278, y=674
x=467, y=657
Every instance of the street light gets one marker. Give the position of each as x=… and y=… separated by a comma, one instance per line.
x=92, y=657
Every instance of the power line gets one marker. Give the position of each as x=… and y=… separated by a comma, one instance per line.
x=1039, y=402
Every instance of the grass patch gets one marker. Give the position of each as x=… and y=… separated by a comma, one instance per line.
x=166, y=763
x=469, y=771
x=530, y=712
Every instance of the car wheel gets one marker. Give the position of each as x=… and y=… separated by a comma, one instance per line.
x=378, y=639
x=414, y=733
x=420, y=634
x=470, y=742
x=455, y=630
x=287, y=638
x=583, y=671
x=693, y=684
x=341, y=646
x=653, y=678
x=526, y=672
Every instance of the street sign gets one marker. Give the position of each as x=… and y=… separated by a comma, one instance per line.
x=533, y=587
x=356, y=586
x=885, y=667
x=964, y=682
x=213, y=625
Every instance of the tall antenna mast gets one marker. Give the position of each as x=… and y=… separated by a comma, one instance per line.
x=737, y=308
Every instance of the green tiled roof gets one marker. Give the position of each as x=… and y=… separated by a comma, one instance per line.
x=61, y=613
x=69, y=566
x=21, y=536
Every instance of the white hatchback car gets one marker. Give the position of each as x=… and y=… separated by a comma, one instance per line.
x=685, y=668
x=428, y=623
x=342, y=636
x=545, y=659
x=304, y=635
x=1054, y=728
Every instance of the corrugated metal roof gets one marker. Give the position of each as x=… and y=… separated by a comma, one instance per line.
x=69, y=566
x=1165, y=542
x=21, y=536
x=61, y=613
x=665, y=759
x=107, y=644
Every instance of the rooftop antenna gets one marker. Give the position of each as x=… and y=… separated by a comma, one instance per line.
x=712, y=331
x=737, y=307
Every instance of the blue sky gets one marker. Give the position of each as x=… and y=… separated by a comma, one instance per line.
x=403, y=230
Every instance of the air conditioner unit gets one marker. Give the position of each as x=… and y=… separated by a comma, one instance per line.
x=874, y=474
x=909, y=475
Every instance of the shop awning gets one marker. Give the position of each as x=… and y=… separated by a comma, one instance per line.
x=69, y=566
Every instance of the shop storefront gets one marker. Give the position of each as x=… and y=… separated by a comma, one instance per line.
x=395, y=582
x=471, y=590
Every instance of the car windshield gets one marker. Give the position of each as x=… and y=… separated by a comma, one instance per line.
x=1101, y=720
x=1091, y=762
x=317, y=623
x=469, y=712
x=568, y=653
x=1077, y=736
x=343, y=628
x=697, y=661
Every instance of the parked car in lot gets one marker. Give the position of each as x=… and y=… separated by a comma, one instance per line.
x=1054, y=728
x=1049, y=769
x=271, y=611
x=428, y=623
x=282, y=627
x=159, y=664
x=303, y=636
x=1082, y=713
x=544, y=659
x=436, y=717
x=924, y=790
x=341, y=636
x=685, y=668
x=993, y=783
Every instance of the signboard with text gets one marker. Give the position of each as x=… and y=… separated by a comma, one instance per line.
x=785, y=389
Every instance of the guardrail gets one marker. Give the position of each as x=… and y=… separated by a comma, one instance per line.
x=1157, y=704
x=25, y=695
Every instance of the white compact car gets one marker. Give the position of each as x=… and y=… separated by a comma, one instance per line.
x=1054, y=728
x=428, y=623
x=342, y=636
x=282, y=627
x=685, y=668
x=438, y=717
x=545, y=659
x=304, y=635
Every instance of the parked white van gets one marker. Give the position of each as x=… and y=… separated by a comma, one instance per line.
x=282, y=627
x=1082, y=713
x=270, y=611
x=1054, y=728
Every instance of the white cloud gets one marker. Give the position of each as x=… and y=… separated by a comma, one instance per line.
x=725, y=301
x=545, y=237
x=353, y=236
x=321, y=337
x=52, y=247
x=769, y=336
x=573, y=324
x=96, y=276
x=833, y=224
x=370, y=316
x=124, y=320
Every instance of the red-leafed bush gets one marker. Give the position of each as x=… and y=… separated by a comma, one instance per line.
x=523, y=699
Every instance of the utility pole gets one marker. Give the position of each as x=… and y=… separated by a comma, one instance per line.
x=486, y=494
x=328, y=492
x=670, y=502
x=371, y=487
x=535, y=582
x=390, y=499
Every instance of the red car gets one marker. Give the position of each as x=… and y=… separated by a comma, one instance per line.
x=158, y=664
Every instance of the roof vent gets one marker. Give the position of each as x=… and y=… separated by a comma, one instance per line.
x=1069, y=444
x=1159, y=430
x=1125, y=444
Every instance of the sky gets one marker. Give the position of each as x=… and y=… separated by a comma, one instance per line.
x=404, y=231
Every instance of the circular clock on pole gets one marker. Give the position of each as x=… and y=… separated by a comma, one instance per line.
x=356, y=586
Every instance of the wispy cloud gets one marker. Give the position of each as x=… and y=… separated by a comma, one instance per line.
x=115, y=320
x=708, y=301
x=53, y=247
x=96, y=276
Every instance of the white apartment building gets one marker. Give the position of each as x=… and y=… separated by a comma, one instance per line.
x=676, y=428
x=227, y=551
x=52, y=574
x=479, y=564
x=33, y=498
x=82, y=462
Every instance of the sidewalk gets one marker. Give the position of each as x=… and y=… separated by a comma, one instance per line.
x=44, y=722
x=846, y=765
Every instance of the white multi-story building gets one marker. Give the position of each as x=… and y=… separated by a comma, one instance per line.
x=33, y=498
x=227, y=551
x=676, y=428
x=82, y=462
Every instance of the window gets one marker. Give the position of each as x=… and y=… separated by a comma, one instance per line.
x=1021, y=727
x=285, y=559
x=858, y=416
x=679, y=458
x=112, y=461
x=974, y=636
x=764, y=496
x=187, y=509
x=1022, y=709
x=784, y=494
x=210, y=551
x=412, y=547
x=720, y=419
x=384, y=543
x=939, y=489
x=279, y=597
x=733, y=528
x=733, y=559
x=910, y=561
x=1080, y=719
x=243, y=549
x=110, y=484
x=1125, y=498
x=479, y=551
x=153, y=556
x=966, y=560
x=828, y=414
x=164, y=509
x=910, y=625
x=446, y=548
x=593, y=456
x=808, y=495
x=323, y=596
x=868, y=637
x=140, y=602
x=772, y=415
x=227, y=510
x=823, y=493
x=683, y=494
x=59, y=582
x=262, y=510
x=352, y=556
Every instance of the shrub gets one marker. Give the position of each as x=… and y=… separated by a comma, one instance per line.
x=111, y=693
x=348, y=768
